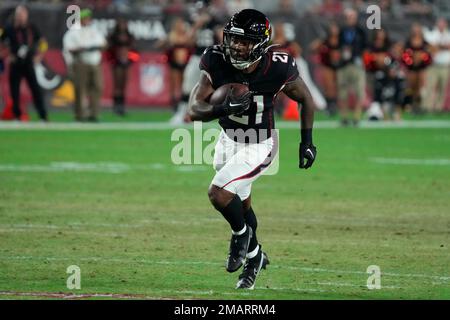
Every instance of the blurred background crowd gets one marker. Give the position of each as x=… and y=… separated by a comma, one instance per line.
x=145, y=54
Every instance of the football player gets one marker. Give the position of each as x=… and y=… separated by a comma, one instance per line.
x=245, y=57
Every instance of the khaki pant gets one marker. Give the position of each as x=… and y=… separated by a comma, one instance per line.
x=434, y=91
x=87, y=80
x=351, y=77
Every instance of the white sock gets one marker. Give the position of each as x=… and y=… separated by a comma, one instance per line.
x=253, y=253
x=238, y=233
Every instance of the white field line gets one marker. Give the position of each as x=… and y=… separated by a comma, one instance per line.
x=119, y=168
x=346, y=284
x=405, y=124
x=188, y=220
x=166, y=291
x=415, y=162
x=192, y=238
x=244, y=293
x=292, y=289
x=78, y=232
x=139, y=224
x=77, y=296
x=207, y=263
x=103, y=167
x=138, y=126
x=78, y=228
x=408, y=220
x=310, y=242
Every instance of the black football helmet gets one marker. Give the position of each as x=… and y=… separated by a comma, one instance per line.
x=251, y=27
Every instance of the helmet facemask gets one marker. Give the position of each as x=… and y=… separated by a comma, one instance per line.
x=255, y=49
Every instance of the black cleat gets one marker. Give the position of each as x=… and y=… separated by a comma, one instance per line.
x=251, y=270
x=238, y=250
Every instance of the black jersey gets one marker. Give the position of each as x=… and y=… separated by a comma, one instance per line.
x=273, y=72
x=23, y=37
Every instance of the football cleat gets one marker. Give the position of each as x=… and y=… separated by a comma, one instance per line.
x=238, y=250
x=251, y=270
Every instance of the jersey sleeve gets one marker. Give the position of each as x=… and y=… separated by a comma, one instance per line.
x=291, y=70
x=205, y=61
x=210, y=62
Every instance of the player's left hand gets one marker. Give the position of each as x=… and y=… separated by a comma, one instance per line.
x=306, y=152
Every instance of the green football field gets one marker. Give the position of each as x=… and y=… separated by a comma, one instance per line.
x=110, y=201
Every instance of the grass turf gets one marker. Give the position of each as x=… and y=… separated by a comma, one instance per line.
x=112, y=203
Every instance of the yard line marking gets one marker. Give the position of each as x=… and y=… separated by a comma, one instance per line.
x=77, y=226
x=346, y=284
x=199, y=292
x=119, y=235
x=292, y=289
x=132, y=296
x=408, y=220
x=186, y=262
x=138, y=126
x=103, y=167
x=193, y=168
x=97, y=234
x=211, y=292
x=74, y=229
x=409, y=275
x=421, y=162
x=68, y=166
x=404, y=124
x=78, y=296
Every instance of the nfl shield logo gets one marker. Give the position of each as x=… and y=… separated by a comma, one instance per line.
x=151, y=79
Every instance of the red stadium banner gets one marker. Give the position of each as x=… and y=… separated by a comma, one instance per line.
x=147, y=82
x=146, y=86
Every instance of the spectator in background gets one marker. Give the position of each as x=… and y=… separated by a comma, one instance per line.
x=234, y=6
x=218, y=8
x=23, y=40
x=286, y=8
x=330, y=58
x=281, y=43
x=295, y=50
x=417, y=58
x=438, y=73
x=328, y=8
x=397, y=49
x=121, y=56
x=350, y=74
x=2, y=65
x=206, y=31
x=416, y=8
x=83, y=52
x=388, y=78
x=178, y=46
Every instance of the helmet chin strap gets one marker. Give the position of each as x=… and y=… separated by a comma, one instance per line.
x=242, y=65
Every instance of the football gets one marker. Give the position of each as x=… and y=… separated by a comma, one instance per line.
x=218, y=96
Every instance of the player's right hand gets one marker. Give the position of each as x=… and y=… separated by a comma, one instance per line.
x=233, y=105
